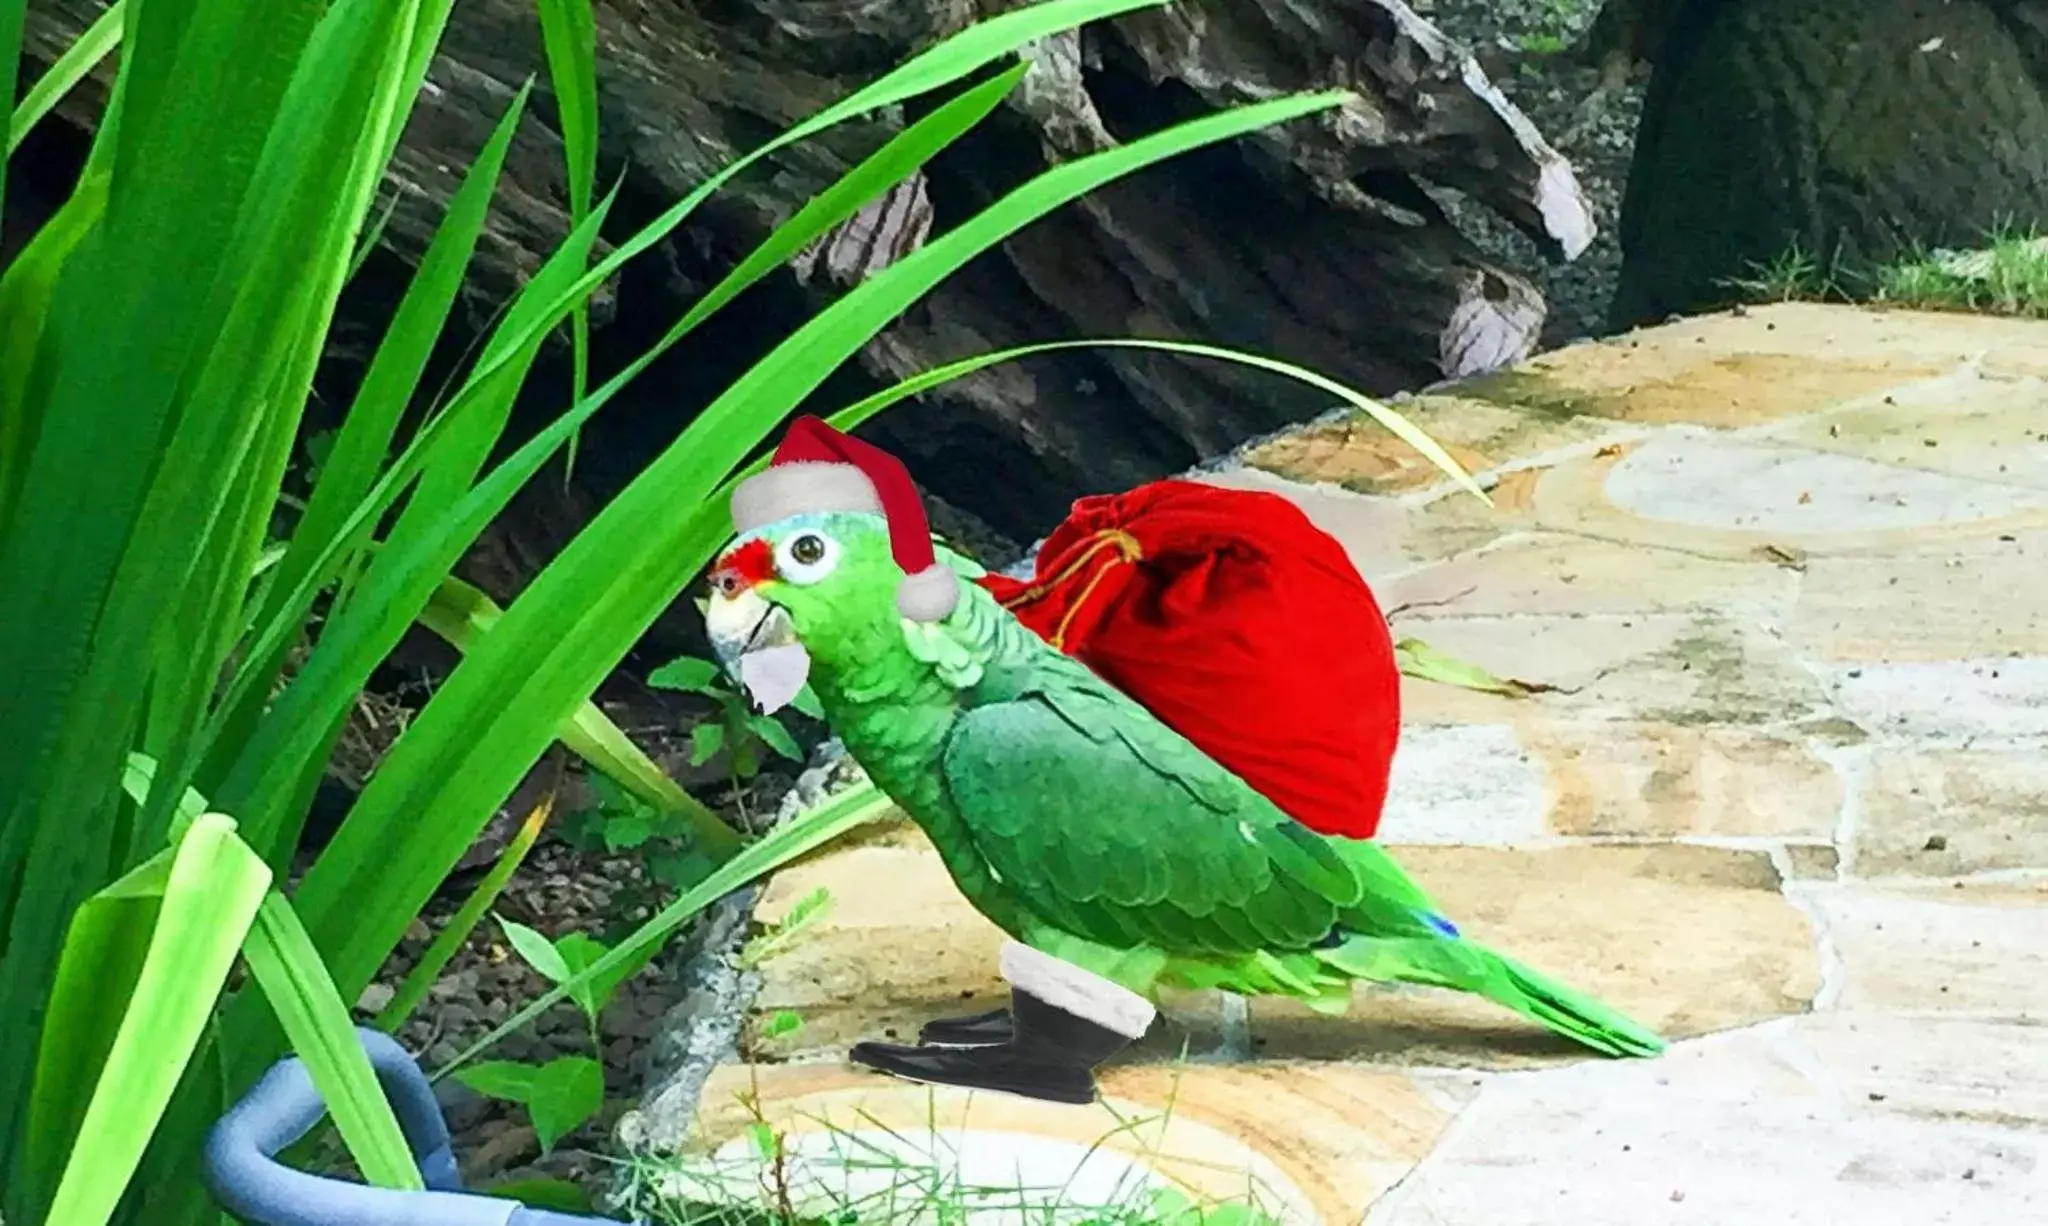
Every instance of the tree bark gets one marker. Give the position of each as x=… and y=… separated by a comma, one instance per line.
x=1853, y=132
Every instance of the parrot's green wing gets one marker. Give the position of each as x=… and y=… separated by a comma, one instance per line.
x=1118, y=830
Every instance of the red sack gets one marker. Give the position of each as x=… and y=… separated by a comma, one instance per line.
x=1242, y=626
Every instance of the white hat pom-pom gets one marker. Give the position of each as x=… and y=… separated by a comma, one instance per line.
x=929, y=595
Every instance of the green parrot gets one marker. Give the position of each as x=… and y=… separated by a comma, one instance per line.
x=1073, y=819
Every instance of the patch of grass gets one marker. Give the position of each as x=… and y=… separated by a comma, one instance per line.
x=875, y=1175
x=2006, y=276
x=1795, y=276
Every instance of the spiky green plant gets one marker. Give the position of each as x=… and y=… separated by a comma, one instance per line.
x=158, y=341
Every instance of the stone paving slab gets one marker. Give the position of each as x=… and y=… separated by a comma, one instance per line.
x=1738, y=1128
x=1781, y=577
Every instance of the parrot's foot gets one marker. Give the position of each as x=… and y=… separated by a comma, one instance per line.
x=1051, y=1055
x=991, y=1029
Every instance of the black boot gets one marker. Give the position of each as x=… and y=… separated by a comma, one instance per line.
x=1051, y=1055
x=991, y=1029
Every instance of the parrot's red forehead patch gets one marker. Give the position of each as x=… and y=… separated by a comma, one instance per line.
x=743, y=567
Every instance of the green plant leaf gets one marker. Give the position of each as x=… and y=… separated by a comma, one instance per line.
x=104, y=950
x=806, y=702
x=428, y=26
x=211, y=894
x=706, y=739
x=746, y=763
x=13, y=14
x=780, y=1023
x=26, y=287
x=366, y=246
x=1401, y=427
x=569, y=32
x=580, y=951
x=138, y=776
x=356, y=452
x=539, y=952
x=420, y=979
x=807, y=910
x=108, y=938
x=775, y=736
x=689, y=673
x=80, y=58
x=507, y=1080
x=679, y=868
x=1425, y=663
x=566, y=1092
x=781, y=935
x=401, y=579
x=628, y=829
x=316, y=1020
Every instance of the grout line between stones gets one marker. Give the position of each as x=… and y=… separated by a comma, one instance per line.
x=1851, y=764
x=1392, y=1201
x=1827, y=951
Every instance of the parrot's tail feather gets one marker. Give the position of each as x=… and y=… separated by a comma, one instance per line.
x=1470, y=967
x=1572, y=1013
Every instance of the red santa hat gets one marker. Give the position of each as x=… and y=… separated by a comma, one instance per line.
x=818, y=469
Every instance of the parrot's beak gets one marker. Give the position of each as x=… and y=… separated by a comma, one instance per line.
x=757, y=645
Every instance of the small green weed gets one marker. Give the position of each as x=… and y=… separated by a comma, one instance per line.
x=563, y=1094
x=1793, y=276
x=737, y=731
x=775, y=939
x=618, y=820
x=770, y=942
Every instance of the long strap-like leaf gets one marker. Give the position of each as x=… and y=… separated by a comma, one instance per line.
x=80, y=58
x=316, y=1020
x=210, y=897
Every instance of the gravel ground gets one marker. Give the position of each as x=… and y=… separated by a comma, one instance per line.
x=1599, y=147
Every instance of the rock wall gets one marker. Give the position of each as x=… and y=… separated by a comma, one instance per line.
x=1317, y=241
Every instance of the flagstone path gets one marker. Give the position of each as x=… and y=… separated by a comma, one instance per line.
x=1782, y=576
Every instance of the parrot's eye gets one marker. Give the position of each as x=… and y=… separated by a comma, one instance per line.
x=807, y=557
